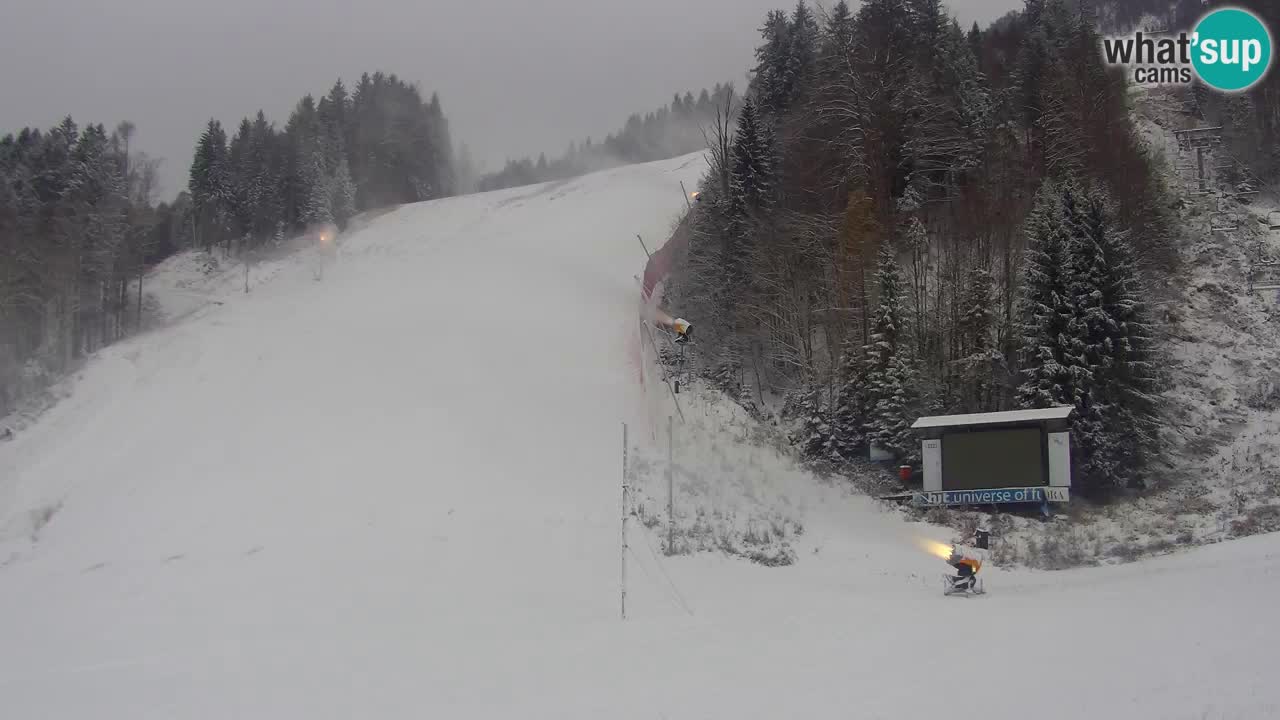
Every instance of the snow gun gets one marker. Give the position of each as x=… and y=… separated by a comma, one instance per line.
x=682, y=328
x=967, y=563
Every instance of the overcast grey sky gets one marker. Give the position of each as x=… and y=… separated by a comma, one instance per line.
x=516, y=77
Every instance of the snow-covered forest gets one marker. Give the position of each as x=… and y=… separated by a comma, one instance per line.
x=380, y=144
x=665, y=133
x=907, y=219
x=79, y=222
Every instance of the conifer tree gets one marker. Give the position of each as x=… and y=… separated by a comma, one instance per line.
x=210, y=185
x=242, y=164
x=855, y=260
x=837, y=38
x=848, y=434
x=897, y=406
x=802, y=53
x=1114, y=416
x=980, y=361
x=772, y=80
x=342, y=200
x=883, y=369
x=268, y=171
x=319, y=197
x=814, y=433
x=752, y=164
x=1050, y=364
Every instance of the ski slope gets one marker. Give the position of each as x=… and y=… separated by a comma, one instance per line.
x=394, y=493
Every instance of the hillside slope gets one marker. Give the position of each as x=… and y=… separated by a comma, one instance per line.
x=394, y=493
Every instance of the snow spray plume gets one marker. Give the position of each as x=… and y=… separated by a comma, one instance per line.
x=933, y=547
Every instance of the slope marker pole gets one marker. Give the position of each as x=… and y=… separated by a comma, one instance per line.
x=625, y=493
x=671, y=490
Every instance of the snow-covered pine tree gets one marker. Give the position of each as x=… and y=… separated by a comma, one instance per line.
x=880, y=377
x=771, y=82
x=897, y=393
x=96, y=191
x=1048, y=87
x=342, y=199
x=837, y=36
x=947, y=100
x=208, y=184
x=802, y=52
x=300, y=140
x=930, y=23
x=1089, y=337
x=440, y=142
x=318, y=208
x=848, y=435
x=1050, y=366
x=752, y=162
x=974, y=38
x=1115, y=427
x=814, y=433
x=856, y=255
x=338, y=122
x=268, y=171
x=980, y=361
x=915, y=238
x=243, y=189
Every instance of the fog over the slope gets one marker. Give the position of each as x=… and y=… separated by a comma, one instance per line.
x=516, y=77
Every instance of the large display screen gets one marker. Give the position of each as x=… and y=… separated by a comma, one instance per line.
x=992, y=459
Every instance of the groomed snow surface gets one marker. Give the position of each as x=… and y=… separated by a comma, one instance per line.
x=394, y=493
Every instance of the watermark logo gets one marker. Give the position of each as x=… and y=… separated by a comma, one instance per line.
x=1235, y=49
x=1230, y=49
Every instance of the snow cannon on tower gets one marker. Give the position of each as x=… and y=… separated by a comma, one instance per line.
x=325, y=234
x=325, y=237
x=681, y=328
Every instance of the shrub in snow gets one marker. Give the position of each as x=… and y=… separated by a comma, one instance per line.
x=806, y=409
x=1259, y=520
x=779, y=556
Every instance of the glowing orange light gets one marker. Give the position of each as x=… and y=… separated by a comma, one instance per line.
x=933, y=547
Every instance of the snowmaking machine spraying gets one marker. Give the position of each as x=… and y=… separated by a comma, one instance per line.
x=967, y=561
x=682, y=328
x=966, y=580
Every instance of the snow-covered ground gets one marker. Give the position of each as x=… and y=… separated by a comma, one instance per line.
x=394, y=493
